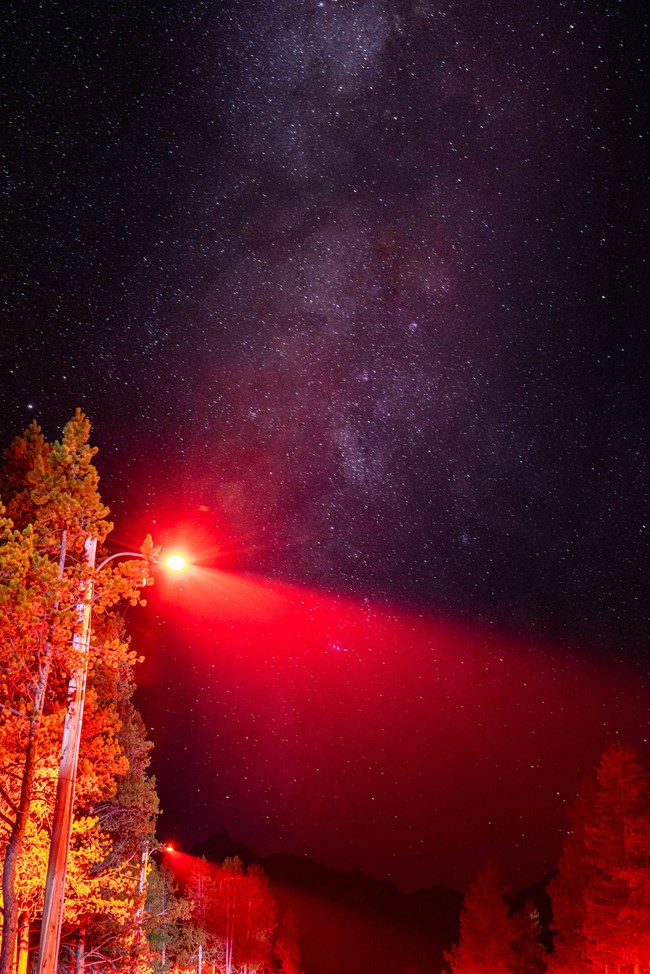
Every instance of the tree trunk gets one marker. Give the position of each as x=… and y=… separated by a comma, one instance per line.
x=17, y=834
x=80, y=953
x=14, y=849
x=23, y=942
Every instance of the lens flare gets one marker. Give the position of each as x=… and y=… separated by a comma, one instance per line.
x=176, y=562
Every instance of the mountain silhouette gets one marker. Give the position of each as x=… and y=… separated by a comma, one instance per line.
x=347, y=922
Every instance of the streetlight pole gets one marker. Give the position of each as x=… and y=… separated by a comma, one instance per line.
x=63, y=803
x=142, y=891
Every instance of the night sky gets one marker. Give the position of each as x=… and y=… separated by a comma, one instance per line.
x=354, y=294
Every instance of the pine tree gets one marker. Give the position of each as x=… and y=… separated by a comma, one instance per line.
x=167, y=916
x=103, y=896
x=285, y=953
x=243, y=916
x=111, y=823
x=486, y=931
x=601, y=896
x=231, y=926
x=201, y=937
x=126, y=815
x=50, y=506
x=256, y=922
x=568, y=889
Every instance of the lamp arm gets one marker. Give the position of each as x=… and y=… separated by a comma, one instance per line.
x=121, y=554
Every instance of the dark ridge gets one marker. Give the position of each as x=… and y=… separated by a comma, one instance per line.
x=347, y=922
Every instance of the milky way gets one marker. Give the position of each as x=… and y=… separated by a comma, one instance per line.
x=355, y=291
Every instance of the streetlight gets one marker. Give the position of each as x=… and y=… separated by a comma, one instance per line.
x=62, y=817
x=144, y=865
x=149, y=850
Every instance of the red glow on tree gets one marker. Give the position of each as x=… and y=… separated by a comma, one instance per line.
x=233, y=920
x=486, y=932
x=601, y=896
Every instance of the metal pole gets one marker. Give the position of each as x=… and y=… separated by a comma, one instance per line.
x=142, y=885
x=62, y=818
x=142, y=894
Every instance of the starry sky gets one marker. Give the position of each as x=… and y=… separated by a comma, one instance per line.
x=354, y=294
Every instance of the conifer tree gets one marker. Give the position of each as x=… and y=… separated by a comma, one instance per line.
x=201, y=937
x=256, y=923
x=285, y=953
x=601, y=896
x=242, y=916
x=50, y=505
x=120, y=806
x=167, y=917
x=486, y=931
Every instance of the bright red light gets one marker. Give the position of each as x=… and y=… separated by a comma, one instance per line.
x=176, y=562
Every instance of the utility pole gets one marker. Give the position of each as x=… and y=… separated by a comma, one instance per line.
x=62, y=819
x=63, y=803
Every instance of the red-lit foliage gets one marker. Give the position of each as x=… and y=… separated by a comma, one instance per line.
x=243, y=916
x=486, y=931
x=233, y=920
x=51, y=506
x=601, y=896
